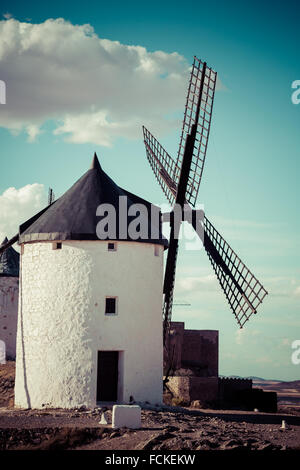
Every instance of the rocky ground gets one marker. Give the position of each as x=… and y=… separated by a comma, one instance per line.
x=163, y=428
x=171, y=428
x=7, y=382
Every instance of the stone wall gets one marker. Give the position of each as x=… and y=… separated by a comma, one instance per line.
x=209, y=390
x=200, y=349
x=229, y=388
x=238, y=393
x=9, y=291
x=194, y=349
x=204, y=389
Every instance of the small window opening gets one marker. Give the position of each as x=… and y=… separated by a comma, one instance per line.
x=110, y=305
x=112, y=247
x=56, y=246
x=156, y=250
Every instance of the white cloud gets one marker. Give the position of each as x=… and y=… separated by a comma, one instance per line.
x=242, y=223
x=297, y=291
x=95, y=127
x=243, y=336
x=190, y=284
x=261, y=238
x=264, y=360
x=188, y=313
x=282, y=286
x=18, y=205
x=33, y=131
x=93, y=88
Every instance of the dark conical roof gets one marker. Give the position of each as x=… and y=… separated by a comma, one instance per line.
x=73, y=215
x=9, y=261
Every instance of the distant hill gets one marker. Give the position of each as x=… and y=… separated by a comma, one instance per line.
x=257, y=379
x=281, y=385
x=260, y=379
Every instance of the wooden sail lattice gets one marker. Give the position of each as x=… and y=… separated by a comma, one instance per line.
x=242, y=289
x=203, y=125
x=162, y=165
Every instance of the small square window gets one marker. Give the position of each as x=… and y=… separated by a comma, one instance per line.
x=112, y=247
x=56, y=246
x=110, y=305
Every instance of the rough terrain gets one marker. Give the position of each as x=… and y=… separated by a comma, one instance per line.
x=170, y=428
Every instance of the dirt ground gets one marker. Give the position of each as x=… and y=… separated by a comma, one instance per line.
x=7, y=382
x=163, y=428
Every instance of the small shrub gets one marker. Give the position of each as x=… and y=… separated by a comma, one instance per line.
x=177, y=401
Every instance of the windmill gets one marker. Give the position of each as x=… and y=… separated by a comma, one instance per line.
x=180, y=181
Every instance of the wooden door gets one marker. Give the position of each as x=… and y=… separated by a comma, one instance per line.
x=107, y=379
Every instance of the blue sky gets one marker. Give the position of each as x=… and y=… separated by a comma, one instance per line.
x=250, y=181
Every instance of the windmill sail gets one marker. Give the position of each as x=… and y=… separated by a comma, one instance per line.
x=202, y=118
x=180, y=182
x=162, y=165
x=182, y=190
x=241, y=288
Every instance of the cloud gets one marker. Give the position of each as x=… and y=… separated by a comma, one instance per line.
x=243, y=336
x=255, y=340
x=191, y=284
x=18, y=205
x=297, y=292
x=33, y=131
x=263, y=238
x=188, y=314
x=292, y=321
x=94, y=89
x=282, y=286
x=264, y=360
x=243, y=223
x=95, y=127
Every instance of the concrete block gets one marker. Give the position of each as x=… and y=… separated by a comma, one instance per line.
x=128, y=416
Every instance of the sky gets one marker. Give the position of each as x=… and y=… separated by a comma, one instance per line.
x=86, y=78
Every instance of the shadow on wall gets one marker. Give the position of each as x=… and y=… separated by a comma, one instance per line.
x=22, y=341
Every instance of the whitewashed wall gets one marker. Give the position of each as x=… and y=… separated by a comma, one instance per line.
x=62, y=325
x=9, y=292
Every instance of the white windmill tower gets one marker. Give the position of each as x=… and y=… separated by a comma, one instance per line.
x=89, y=321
